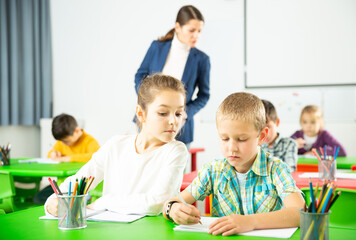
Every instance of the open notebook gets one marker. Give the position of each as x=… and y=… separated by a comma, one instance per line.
x=105, y=216
x=39, y=160
x=206, y=221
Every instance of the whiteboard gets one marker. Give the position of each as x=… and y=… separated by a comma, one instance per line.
x=300, y=43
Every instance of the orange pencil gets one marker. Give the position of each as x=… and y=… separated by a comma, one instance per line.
x=74, y=193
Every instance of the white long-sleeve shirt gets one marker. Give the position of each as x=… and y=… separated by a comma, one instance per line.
x=134, y=183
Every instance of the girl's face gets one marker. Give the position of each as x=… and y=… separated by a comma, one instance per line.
x=190, y=32
x=163, y=117
x=310, y=124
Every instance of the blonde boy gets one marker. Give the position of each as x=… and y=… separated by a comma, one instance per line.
x=284, y=148
x=251, y=190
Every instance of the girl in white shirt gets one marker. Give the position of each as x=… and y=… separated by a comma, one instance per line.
x=141, y=171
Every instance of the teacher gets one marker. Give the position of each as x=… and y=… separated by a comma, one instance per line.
x=175, y=54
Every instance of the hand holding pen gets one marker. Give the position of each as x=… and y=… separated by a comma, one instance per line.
x=184, y=213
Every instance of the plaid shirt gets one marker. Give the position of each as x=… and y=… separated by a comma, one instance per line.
x=285, y=149
x=268, y=182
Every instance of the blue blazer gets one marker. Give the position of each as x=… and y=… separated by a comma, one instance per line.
x=196, y=74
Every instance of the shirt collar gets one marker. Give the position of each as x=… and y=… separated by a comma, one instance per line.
x=179, y=45
x=259, y=166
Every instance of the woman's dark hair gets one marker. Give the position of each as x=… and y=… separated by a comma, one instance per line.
x=185, y=14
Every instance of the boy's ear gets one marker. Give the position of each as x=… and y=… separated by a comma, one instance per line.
x=277, y=121
x=263, y=136
x=140, y=114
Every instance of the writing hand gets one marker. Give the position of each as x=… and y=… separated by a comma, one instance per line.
x=301, y=142
x=184, y=214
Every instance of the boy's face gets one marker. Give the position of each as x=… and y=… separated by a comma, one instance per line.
x=239, y=141
x=272, y=131
x=72, y=139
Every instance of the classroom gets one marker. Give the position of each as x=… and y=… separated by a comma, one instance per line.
x=292, y=53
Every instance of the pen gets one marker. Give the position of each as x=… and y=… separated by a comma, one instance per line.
x=182, y=200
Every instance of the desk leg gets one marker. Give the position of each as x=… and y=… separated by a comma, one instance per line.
x=194, y=162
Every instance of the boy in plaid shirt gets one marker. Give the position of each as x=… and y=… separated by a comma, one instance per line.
x=250, y=189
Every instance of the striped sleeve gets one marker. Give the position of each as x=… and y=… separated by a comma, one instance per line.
x=283, y=180
x=202, y=184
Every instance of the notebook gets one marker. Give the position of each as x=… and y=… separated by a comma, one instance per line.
x=340, y=175
x=105, y=216
x=39, y=160
x=206, y=221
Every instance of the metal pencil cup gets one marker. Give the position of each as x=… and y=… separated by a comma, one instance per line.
x=5, y=158
x=327, y=170
x=72, y=212
x=314, y=225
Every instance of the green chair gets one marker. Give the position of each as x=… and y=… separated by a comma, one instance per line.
x=97, y=192
x=7, y=192
x=343, y=211
x=26, y=192
x=2, y=212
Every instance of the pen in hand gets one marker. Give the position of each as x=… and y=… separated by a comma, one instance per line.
x=182, y=200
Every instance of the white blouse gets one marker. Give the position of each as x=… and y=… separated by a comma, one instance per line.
x=134, y=183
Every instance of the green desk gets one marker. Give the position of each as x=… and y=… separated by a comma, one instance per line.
x=61, y=170
x=26, y=225
x=342, y=162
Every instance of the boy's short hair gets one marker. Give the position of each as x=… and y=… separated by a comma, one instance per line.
x=63, y=126
x=245, y=107
x=271, y=113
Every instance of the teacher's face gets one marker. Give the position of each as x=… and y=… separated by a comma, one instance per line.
x=190, y=32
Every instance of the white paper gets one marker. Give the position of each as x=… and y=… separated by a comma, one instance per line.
x=206, y=221
x=104, y=216
x=108, y=216
x=39, y=160
x=341, y=175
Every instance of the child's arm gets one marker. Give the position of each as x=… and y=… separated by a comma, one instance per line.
x=330, y=141
x=182, y=213
x=287, y=217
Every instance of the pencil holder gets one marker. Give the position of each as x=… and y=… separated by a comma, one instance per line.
x=72, y=211
x=5, y=158
x=327, y=170
x=314, y=225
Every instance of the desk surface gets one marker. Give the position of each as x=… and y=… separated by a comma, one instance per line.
x=64, y=169
x=341, y=183
x=26, y=225
x=342, y=162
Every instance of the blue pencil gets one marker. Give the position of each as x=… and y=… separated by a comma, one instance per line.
x=69, y=193
x=312, y=196
x=326, y=202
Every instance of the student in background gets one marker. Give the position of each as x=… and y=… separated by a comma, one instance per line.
x=313, y=135
x=250, y=188
x=140, y=171
x=285, y=148
x=73, y=144
x=175, y=54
